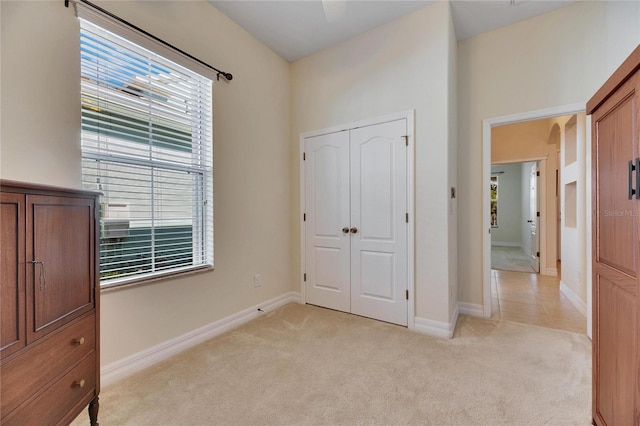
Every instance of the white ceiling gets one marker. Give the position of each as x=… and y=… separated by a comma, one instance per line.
x=295, y=29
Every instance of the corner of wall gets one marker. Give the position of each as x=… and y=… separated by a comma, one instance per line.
x=452, y=90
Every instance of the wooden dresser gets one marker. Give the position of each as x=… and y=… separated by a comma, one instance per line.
x=49, y=304
x=615, y=110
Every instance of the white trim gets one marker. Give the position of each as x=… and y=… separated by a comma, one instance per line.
x=589, y=225
x=575, y=300
x=133, y=363
x=487, y=124
x=437, y=328
x=302, y=212
x=551, y=272
x=505, y=244
x=471, y=309
x=409, y=116
x=521, y=160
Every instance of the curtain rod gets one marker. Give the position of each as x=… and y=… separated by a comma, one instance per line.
x=227, y=75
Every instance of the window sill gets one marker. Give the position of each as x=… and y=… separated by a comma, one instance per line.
x=152, y=279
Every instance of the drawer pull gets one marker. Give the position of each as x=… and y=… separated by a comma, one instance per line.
x=78, y=383
x=79, y=341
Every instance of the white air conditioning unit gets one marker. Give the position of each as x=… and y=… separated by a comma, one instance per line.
x=115, y=221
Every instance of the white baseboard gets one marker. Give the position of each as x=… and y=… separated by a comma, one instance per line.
x=579, y=304
x=505, y=244
x=551, y=272
x=125, y=367
x=471, y=309
x=437, y=328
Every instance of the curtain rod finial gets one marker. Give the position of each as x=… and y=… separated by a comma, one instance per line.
x=227, y=75
x=66, y=3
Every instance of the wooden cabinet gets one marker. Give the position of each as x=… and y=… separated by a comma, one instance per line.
x=49, y=346
x=615, y=113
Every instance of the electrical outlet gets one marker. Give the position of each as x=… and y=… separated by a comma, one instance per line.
x=257, y=280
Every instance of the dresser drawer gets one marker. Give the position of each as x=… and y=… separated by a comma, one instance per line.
x=31, y=371
x=56, y=402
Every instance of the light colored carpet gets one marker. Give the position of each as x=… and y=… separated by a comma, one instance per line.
x=304, y=365
x=510, y=259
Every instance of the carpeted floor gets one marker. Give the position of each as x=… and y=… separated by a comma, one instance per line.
x=304, y=365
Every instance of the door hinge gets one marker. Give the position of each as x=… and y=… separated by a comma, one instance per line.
x=407, y=217
x=537, y=254
x=305, y=277
x=304, y=156
x=407, y=294
x=537, y=173
x=537, y=214
x=304, y=217
x=406, y=140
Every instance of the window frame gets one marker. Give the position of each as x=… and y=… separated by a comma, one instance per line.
x=202, y=224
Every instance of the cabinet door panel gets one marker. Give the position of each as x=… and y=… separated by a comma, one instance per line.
x=616, y=228
x=616, y=258
x=12, y=290
x=60, y=251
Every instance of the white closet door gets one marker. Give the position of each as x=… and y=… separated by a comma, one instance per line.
x=327, y=209
x=378, y=212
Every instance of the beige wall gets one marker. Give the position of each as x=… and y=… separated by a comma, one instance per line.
x=40, y=143
x=406, y=64
x=559, y=58
x=555, y=59
x=575, y=249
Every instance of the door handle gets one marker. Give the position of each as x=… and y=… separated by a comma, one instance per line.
x=354, y=230
x=42, y=279
x=632, y=168
x=529, y=221
x=637, y=178
x=345, y=230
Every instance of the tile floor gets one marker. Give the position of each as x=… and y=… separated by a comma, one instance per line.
x=533, y=299
x=510, y=259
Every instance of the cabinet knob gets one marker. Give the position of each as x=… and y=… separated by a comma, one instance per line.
x=79, y=341
x=354, y=230
x=78, y=383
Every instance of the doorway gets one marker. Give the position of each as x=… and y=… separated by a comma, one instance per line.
x=515, y=216
x=581, y=172
x=356, y=195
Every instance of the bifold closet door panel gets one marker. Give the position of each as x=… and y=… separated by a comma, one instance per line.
x=378, y=213
x=327, y=199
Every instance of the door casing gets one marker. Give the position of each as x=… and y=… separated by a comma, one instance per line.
x=409, y=116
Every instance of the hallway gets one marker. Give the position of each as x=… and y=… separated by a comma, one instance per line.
x=533, y=299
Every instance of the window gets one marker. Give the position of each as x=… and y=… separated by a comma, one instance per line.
x=147, y=146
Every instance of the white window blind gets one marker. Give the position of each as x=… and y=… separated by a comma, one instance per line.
x=147, y=145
